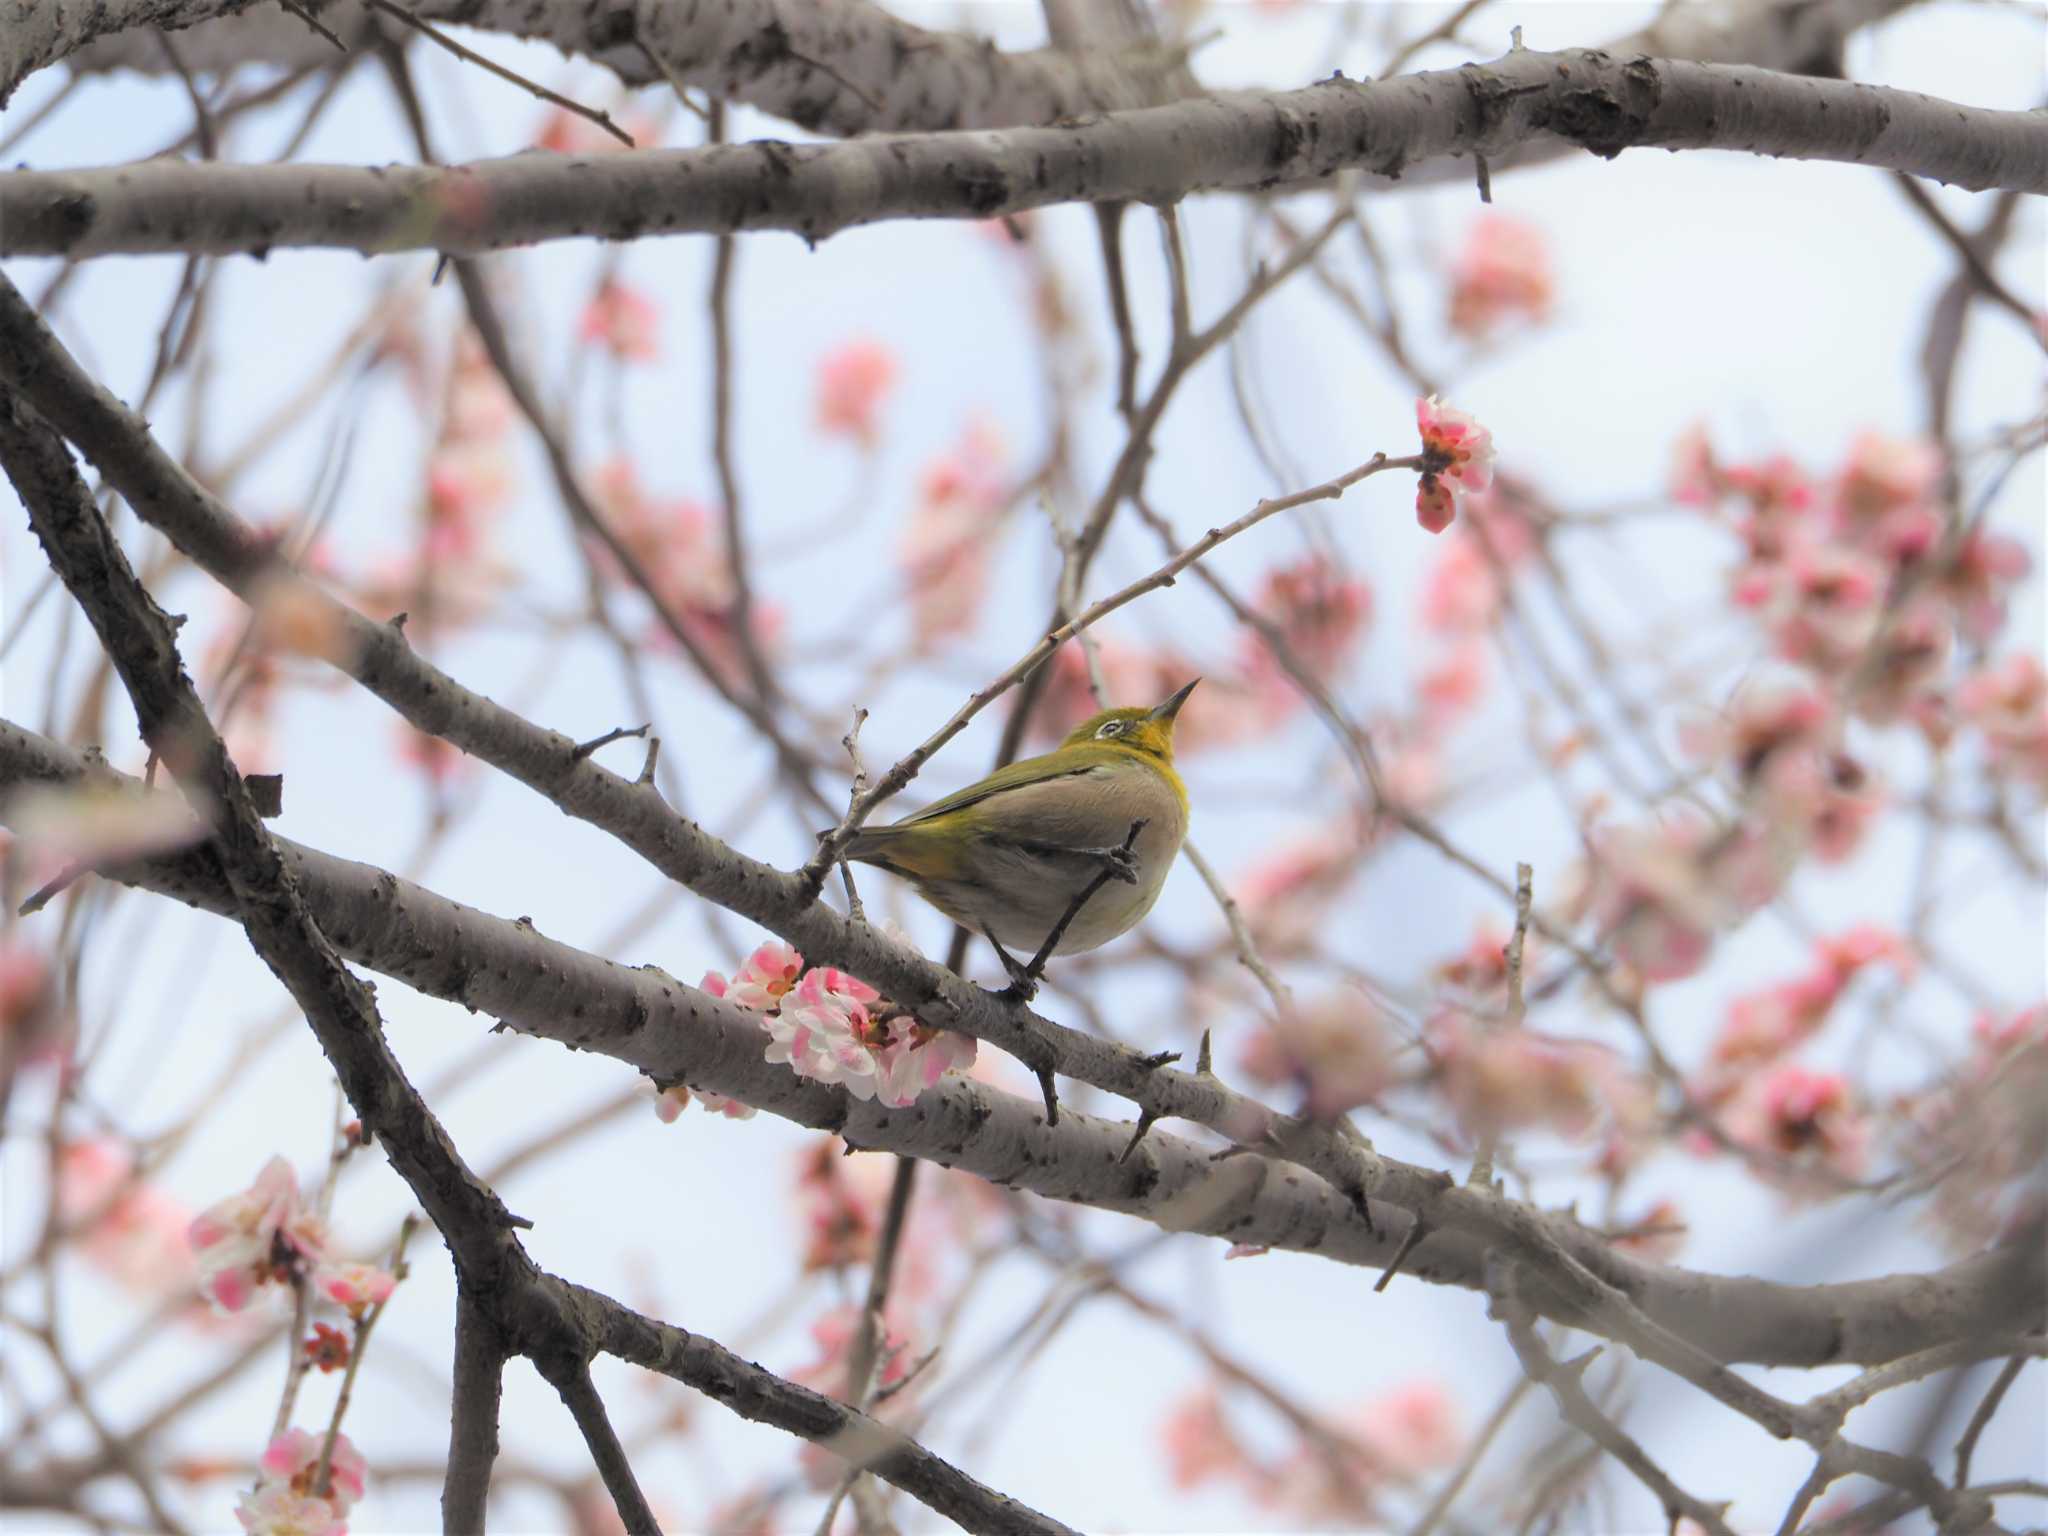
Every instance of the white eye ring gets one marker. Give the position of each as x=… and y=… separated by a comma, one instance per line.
x=1111, y=728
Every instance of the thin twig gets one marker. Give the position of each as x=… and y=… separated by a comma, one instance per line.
x=471, y=56
x=906, y=769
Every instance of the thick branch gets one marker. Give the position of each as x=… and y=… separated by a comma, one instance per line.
x=847, y=67
x=163, y=494
x=1156, y=154
x=645, y=1018
x=473, y=1418
x=546, y=1319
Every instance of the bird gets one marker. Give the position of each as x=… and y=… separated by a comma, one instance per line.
x=1097, y=821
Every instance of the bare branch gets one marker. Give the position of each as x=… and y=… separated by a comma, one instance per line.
x=1150, y=154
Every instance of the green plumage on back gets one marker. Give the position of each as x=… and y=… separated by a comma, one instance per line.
x=1010, y=854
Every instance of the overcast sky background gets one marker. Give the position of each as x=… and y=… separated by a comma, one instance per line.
x=1783, y=303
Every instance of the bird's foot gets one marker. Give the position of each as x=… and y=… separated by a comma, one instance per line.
x=1023, y=985
x=1121, y=863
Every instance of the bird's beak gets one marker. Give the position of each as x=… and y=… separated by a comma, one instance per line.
x=1171, y=707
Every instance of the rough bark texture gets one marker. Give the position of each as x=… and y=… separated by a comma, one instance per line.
x=673, y=1032
x=840, y=68
x=1157, y=154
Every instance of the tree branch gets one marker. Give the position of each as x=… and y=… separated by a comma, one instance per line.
x=645, y=1018
x=1153, y=154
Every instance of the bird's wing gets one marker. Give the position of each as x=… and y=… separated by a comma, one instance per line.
x=1033, y=770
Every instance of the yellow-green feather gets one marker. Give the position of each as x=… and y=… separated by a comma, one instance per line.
x=931, y=845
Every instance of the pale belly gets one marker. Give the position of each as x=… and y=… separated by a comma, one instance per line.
x=1040, y=887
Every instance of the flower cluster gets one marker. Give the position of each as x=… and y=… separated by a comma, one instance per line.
x=1982, y=1139
x=1765, y=1025
x=1391, y=1441
x=683, y=556
x=1460, y=455
x=128, y=1228
x=1505, y=1078
x=1501, y=274
x=1810, y=1125
x=1781, y=742
x=950, y=537
x=853, y=380
x=1858, y=575
x=267, y=1235
x=290, y=1497
x=1335, y=1050
x=623, y=321
x=1662, y=890
x=835, y=1028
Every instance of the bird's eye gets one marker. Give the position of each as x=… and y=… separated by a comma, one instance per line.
x=1111, y=728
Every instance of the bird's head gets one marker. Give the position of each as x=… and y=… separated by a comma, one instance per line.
x=1148, y=732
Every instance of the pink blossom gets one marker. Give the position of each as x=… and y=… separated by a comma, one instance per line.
x=28, y=999
x=915, y=1057
x=273, y=1509
x=1908, y=658
x=1982, y=1139
x=1823, y=605
x=563, y=132
x=293, y=1459
x=1763, y=720
x=1501, y=273
x=1653, y=897
x=1501, y=1079
x=1461, y=594
x=1452, y=684
x=853, y=380
x=949, y=538
x=1976, y=578
x=769, y=974
x=1412, y=1428
x=1656, y=1236
x=670, y=1103
x=1884, y=475
x=684, y=560
x=1285, y=894
x=435, y=758
x=1461, y=451
x=1763, y=1025
x=1694, y=481
x=834, y=1333
x=1320, y=614
x=843, y=1201
x=355, y=1287
x=2007, y=702
x=1808, y=1118
x=1200, y=1445
x=1435, y=505
x=1480, y=970
x=1335, y=1049
x=250, y=1239
x=126, y=1226
x=623, y=321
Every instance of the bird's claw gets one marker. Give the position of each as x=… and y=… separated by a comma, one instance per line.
x=1121, y=863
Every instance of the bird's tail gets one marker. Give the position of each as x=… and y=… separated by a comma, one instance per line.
x=913, y=851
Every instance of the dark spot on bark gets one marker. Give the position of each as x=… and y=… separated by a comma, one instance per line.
x=613, y=28
x=1144, y=1179
x=980, y=187
x=1602, y=121
x=761, y=53
x=1287, y=138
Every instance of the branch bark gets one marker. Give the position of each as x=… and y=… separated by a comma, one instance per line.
x=1155, y=154
x=557, y=1325
x=645, y=1018
x=847, y=67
